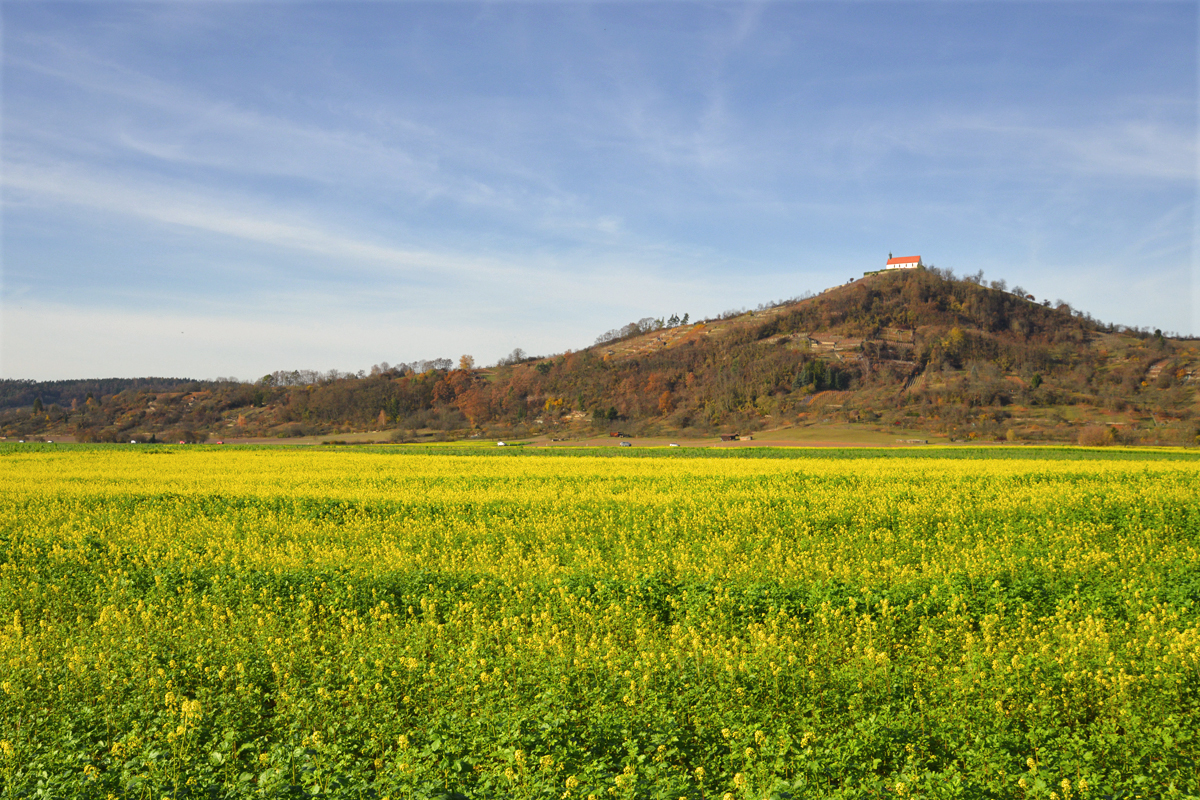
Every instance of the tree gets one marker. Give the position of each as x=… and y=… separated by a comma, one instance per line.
x=515, y=357
x=954, y=342
x=37, y=405
x=475, y=404
x=443, y=392
x=466, y=363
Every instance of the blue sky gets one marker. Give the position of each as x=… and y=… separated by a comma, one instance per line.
x=227, y=189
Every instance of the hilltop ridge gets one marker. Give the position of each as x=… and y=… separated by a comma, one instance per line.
x=905, y=350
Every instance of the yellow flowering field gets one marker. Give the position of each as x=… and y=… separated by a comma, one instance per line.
x=206, y=622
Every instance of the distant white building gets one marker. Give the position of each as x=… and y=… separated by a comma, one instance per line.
x=904, y=262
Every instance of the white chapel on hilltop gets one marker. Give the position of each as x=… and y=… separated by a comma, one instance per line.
x=903, y=262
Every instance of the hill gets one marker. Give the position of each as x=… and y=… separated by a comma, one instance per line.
x=913, y=350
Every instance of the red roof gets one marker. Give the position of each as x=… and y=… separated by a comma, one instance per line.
x=904, y=260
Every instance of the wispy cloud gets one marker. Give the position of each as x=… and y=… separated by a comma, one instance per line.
x=1132, y=148
x=1008, y=142
x=369, y=272
x=191, y=210
x=371, y=149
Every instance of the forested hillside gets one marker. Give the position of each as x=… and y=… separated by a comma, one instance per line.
x=918, y=349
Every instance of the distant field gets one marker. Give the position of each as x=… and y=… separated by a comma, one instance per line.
x=451, y=621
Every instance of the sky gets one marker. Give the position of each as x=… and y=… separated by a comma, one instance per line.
x=226, y=189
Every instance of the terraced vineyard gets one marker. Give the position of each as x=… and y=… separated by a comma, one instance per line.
x=191, y=622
